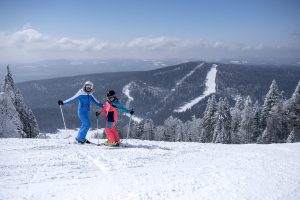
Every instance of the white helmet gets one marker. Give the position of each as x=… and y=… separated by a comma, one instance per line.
x=88, y=83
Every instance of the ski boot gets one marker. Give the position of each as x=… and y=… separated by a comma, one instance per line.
x=111, y=144
x=79, y=142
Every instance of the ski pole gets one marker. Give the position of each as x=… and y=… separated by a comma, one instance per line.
x=128, y=129
x=62, y=114
x=98, y=133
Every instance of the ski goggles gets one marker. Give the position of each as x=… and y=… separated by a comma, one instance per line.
x=88, y=87
x=111, y=97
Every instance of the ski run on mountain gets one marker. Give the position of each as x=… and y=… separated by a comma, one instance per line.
x=210, y=85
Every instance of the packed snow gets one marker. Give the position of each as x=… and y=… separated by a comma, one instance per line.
x=52, y=168
x=210, y=88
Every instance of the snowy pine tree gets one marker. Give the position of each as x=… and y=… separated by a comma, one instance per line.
x=8, y=82
x=271, y=99
x=10, y=124
x=192, y=130
x=148, y=130
x=27, y=118
x=159, y=132
x=138, y=132
x=236, y=113
x=273, y=116
x=30, y=125
x=256, y=122
x=132, y=131
x=246, y=129
x=179, y=137
x=172, y=128
x=222, y=132
x=293, y=115
x=294, y=136
x=208, y=122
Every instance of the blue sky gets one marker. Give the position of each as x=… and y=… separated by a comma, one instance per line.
x=148, y=29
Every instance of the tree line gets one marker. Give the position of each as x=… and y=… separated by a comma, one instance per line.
x=276, y=121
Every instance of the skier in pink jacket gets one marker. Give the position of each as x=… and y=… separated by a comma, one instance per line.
x=110, y=109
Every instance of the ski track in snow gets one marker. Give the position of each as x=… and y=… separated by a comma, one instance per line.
x=186, y=76
x=181, y=81
x=53, y=169
x=126, y=91
x=210, y=85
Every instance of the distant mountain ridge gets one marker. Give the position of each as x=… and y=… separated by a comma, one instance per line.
x=64, y=68
x=157, y=93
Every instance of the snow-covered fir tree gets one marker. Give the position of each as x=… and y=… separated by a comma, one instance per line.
x=133, y=129
x=159, y=132
x=293, y=136
x=8, y=82
x=293, y=115
x=274, y=117
x=10, y=124
x=208, y=122
x=222, y=132
x=246, y=129
x=27, y=118
x=271, y=99
x=236, y=113
x=139, y=130
x=256, y=122
x=282, y=112
x=148, y=130
x=180, y=134
x=30, y=125
x=172, y=128
x=192, y=130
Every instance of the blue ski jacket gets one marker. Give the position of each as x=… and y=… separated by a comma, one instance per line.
x=85, y=100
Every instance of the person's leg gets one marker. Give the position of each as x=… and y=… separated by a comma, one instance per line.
x=109, y=132
x=115, y=134
x=85, y=121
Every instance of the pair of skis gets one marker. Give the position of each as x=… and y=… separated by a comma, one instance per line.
x=101, y=144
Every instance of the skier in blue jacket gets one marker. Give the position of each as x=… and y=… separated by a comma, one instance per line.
x=85, y=97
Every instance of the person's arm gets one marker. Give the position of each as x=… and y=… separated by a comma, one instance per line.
x=95, y=101
x=103, y=109
x=120, y=107
x=72, y=99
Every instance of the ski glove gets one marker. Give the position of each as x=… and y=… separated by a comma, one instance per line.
x=97, y=114
x=60, y=103
x=131, y=112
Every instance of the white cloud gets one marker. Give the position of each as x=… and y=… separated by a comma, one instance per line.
x=30, y=45
x=28, y=36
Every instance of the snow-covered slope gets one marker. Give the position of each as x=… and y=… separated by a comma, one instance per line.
x=53, y=169
x=210, y=84
x=187, y=75
x=126, y=91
